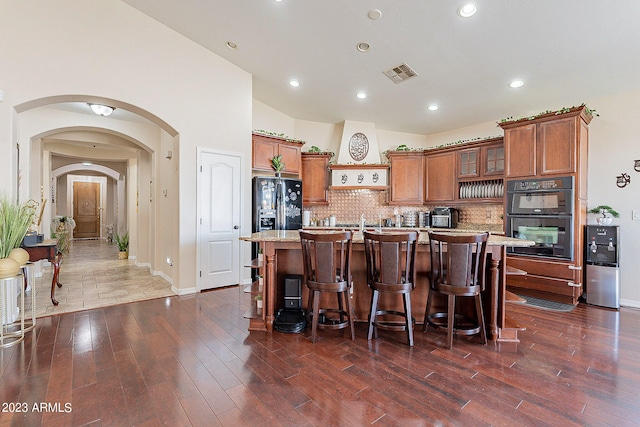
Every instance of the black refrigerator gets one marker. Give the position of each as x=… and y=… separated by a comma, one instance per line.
x=277, y=203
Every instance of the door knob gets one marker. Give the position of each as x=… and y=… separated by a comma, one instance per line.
x=235, y=227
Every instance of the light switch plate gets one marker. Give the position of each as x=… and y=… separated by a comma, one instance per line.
x=635, y=214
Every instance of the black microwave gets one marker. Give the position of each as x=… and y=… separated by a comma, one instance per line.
x=540, y=196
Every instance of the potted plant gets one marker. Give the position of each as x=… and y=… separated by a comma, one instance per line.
x=604, y=210
x=61, y=228
x=15, y=219
x=259, y=301
x=277, y=164
x=122, y=241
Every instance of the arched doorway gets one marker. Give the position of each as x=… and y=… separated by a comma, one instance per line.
x=64, y=142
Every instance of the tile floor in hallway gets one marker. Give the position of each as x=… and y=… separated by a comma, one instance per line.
x=92, y=276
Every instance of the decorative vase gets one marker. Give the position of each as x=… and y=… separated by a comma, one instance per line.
x=259, y=304
x=9, y=267
x=602, y=220
x=20, y=255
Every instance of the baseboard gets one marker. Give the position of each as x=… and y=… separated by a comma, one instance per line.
x=164, y=276
x=629, y=303
x=186, y=291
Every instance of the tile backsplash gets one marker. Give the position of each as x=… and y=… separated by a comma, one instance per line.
x=348, y=205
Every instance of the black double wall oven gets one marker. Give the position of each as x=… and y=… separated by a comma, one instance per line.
x=541, y=210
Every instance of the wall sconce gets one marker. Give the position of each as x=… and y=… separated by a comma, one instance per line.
x=636, y=165
x=101, y=110
x=169, y=154
x=623, y=180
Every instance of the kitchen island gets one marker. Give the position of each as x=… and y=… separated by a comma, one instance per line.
x=283, y=256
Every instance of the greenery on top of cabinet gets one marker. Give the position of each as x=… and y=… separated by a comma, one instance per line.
x=563, y=110
x=278, y=135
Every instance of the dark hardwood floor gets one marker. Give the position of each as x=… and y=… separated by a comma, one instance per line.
x=189, y=360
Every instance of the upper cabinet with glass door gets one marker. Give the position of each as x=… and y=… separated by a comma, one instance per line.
x=485, y=160
x=480, y=168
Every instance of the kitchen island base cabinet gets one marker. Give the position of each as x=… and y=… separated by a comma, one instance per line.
x=283, y=256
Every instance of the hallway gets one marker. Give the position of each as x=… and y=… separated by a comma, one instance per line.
x=92, y=276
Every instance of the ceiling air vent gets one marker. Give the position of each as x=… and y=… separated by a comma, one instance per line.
x=400, y=73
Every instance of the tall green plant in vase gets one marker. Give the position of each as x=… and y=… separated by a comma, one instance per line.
x=15, y=219
x=122, y=242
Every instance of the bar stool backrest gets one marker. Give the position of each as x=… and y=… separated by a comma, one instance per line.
x=391, y=258
x=458, y=262
x=326, y=257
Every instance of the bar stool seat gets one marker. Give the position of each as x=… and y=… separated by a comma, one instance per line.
x=458, y=264
x=326, y=260
x=391, y=269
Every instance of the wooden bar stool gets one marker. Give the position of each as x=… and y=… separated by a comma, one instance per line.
x=326, y=258
x=457, y=270
x=391, y=269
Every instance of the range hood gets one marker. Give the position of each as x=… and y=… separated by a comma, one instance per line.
x=358, y=164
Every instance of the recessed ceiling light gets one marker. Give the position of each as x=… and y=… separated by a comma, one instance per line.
x=467, y=10
x=363, y=47
x=87, y=163
x=294, y=83
x=361, y=95
x=231, y=45
x=432, y=107
x=516, y=84
x=374, y=14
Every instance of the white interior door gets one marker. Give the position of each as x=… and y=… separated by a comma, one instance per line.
x=219, y=196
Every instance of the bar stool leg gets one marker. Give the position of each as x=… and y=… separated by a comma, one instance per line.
x=426, y=313
x=372, y=314
x=316, y=315
x=406, y=298
x=483, y=332
x=451, y=315
x=350, y=314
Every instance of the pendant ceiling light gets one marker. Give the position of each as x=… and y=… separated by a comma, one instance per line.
x=101, y=110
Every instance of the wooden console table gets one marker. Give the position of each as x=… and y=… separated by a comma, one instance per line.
x=47, y=250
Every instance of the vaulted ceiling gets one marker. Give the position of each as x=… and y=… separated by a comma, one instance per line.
x=567, y=52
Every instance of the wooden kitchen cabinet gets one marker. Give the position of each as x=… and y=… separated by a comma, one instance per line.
x=551, y=145
x=493, y=160
x=469, y=163
x=265, y=147
x=440, y=177
x=406, y=179
x=542, y=147
x=315, y=178
x=547, y=278
x=486, y=160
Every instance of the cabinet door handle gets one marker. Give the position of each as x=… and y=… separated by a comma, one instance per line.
x=573, y=267
x=575, y=285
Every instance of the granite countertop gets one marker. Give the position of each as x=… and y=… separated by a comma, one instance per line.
x=462, y=228
x=294, y=236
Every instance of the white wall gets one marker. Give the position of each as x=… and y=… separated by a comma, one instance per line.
x=49, y=50
x=613, y=147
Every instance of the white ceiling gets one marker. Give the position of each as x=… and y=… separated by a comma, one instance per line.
x=568, y=52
